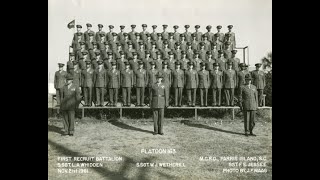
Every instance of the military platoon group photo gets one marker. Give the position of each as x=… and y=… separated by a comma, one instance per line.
x=157, y=69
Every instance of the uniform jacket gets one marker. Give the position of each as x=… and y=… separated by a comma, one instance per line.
x=77, y=37
x=120, y=64
x=70, y=97
x=198, y=36
x=167, y=79
x=191, y=79
x=183, y=45
x=241, y=78
x=129, y=53
x=176, y=36
x=113, y=79
x=121, y=36
x=132, y=36
x=171, y=44
x=235, y=63
x=204, y=79
x=229, y=79
x=100, y=78
x=188, y=36
x=77, y=77
x=216, y=79
x=221, y=37
x=222, y=63
x=177, y=54
x=210, y=36
x=143, y=35
x=127, y=78
x=134, y=64
x=98, y=37
x=178, y=78
x=140, y=78
x=86, y=35
x=159, y=96
x=171, y=64
x=232, y=38
x=227, y=53
x=165, y=53
x=249, y=97
x=60, y=79
x=87, y=77
x=159, y=64
x=146, y=63
x=209, y=64
x=165, y=35
x=203, y=54
x=258, y=79
x=152, y=77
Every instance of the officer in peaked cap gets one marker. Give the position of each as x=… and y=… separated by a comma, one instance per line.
x=216, y=85
x=132, y=34
x=258, y=79
x=235, y=61
x=229, y=82
x=100, y=83
x=121, y=34
x=187, y=34
x=219, y=35
x=140, y=81
x=113, y=85
x=59, y=82
x=192, y=81
x=86, y=34
x=154, y=35
x=204, y=80
x=176, y=34
x=165, y=34
x=209, y=34
x=230, y=36
x=87, y=83
x=248, y=102
x=178, y=84
x=144, y=32
x=159, y=102
x=197, y=33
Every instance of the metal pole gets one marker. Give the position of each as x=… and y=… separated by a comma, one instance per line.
x=244, y=55
x=248, y=55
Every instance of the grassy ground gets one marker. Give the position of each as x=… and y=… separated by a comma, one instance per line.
x=191, y=139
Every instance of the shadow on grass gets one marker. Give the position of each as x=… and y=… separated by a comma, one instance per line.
x=54, y=129
x=191, y=124
x=127, y=164
x=125, y=126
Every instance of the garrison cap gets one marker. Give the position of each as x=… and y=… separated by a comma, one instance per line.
x=133, y=25
x=125, y=34
x=111, y=26
x=201, y=43
x=122, y=26
x=154, y=26
x=106, y=43
x=190, y=63
x=209, y=27
x=234, y=51
x=177, y=63
x=89, y=25
x=118, y=44
x=121, y=52
x=60, y=64
x=186, y=26
x=140, y=43
x=165, y=26
x=165, y=62
x=219, y=27
x=214, y=44
x=183, y=52
x=170, y=53
x=134, y=53
x=165, y=42
x=69, y=77
x=258, y=65
x=209, y=52
x=230, y=26
x=144, y=25
x=94, y=43
x=178, y=44
x=100, y=25
x=153, y=43
x=197, y=26
x=129, y=43
x=81, y=42
x=126, y=63
x=175, y=26
x=79, y=26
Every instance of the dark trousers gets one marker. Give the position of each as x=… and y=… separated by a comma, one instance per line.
x=87, y=95
x=167, y=91
x=113, y=94
x=204, y=96
x=178, y=96
x=158, y=115
x=140, y=95
x=191, y=97
x=59, y=95
x=100, y=95
x=126, y=96
x=214, y=96
x=249, y=118
x=229, y=92
x=260, y=96
x=68, y=121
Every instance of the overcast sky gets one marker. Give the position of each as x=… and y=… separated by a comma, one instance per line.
x=251, y=20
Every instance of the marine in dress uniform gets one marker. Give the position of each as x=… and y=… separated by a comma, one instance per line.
x=125, y=42
x=218, y=43
x=171, y=61
x=148, y=43
x=158, y=104
x=219, y=35
x=87, y=83
x=151, y=77
x=241, y=77
x=178, y=84
x=176, y=34
x=59, y=82
x=126, y=84
x=177, y=52
x=108, y=61
x=141, y=51
x=166, y=50
x=158, y=61
x=194, y=42
x=191, y=84
x=121, y=63
x=90, y=40
x=203, y=85
x=167, y=79
x=187, y=34
x=144, y=33
x=216, y=84
x=121, y=34
x=114, y=42
x=132, y=34
x=171, y=41
x=153, y=51
x=154, y=35
x=86, y=34
x=109, y=35
x=229, y=82
x=147, y=60
x=76, y=74
x=184, y=61
x=230, y=36
x=137, y=42
x=207, y=43
x=249, y=103
x=116, y=54
x=70, y=102
x=209, y=34
x=221, y=61
x=227, y=50
x=94, y=60
x=100, y=83
x=235, y=61
x=78, y=36
x=140, y=81
x=130, y=51
x=189, y=51
x=113, y=79
x=159, y=42
x=214, y=51
x=183, y=42
x=196, y=60
x=209, y=62
x=258, y=78
x=165, y=34
x=202, y=51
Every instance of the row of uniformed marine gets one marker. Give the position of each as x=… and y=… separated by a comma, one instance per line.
x=134, y=41
x=93, y=82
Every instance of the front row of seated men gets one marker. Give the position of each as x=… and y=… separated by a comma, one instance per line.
x=94, y=83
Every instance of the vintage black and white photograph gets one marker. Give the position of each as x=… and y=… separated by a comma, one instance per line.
x=159, y=89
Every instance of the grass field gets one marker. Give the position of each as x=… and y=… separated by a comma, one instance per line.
x=190, y=139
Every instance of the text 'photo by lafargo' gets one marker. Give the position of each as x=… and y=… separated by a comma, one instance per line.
x=150, y=89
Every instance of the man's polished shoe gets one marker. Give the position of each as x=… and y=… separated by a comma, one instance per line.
x=161, y=133
x=251, y=134
x=246, y=134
